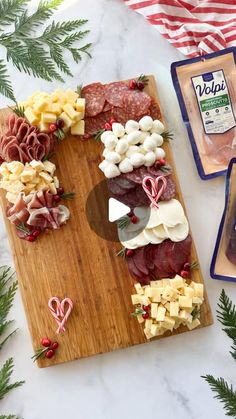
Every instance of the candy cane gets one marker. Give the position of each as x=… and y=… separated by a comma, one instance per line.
x=59, y=313
x=150, y=186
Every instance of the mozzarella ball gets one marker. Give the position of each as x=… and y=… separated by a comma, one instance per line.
x=118, y=129
x=111, y=171
x=132, y=149
x=125, y=166
x=158, y=127
x=160, y=154
x=110, y=142
x=143, y=136
x=158, y=138
x=122, y=146
x=105, y=135
x=150, y=158
x=142, y=149
x=113, y=157
x=131, y=126
x=146, y=123
x=137, y=159
x=102, y=166
x=150, y=144
x=134, y=137
x=105, y=151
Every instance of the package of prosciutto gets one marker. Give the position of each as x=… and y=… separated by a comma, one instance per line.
x=206, y=91
x=223, y=265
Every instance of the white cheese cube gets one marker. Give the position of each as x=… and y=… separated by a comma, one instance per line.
x=11, y=197
x=161, y=311
x=148, y=333
x=15, y=167
x=140, y=318
x=157, y=283
x=155, y=330
x=154, y=308
x=197, y=300
x=49, y=167
x=189, y=291
x=168, y=323
x=52, y=188
x=148, y=324
x=139, y=288
x=46, y=177
x=37, y=165
x=166, y=282
x=185, y=301
x=56, y=181
x=135, y=299
x=168, y=293
x=144, y=300
x=156, y=295
x=195, y=323
x=198, y=289
x=177, y=282
x=174, y=309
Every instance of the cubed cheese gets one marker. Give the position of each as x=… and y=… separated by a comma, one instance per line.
x=161, y=311
x=188, y=291
x=52, y=188
x=177, y=282
x=67, y=121
x=11, y=197
x=37, y=165
x=155, y=329
x=169, y=292
x=16, y=167
x=195, y=323
x=49, y=167
x=185, y=301
x=30, y=116
x=71, y=95
x=48, y=117
x=148, y=324
x=198, y=289
x=78, y=128
x=139, y=289
x=154, y=308
x=144, y=300
x=43, y=127
x=40, y=105
x=68, y=108
x=148, y=333
x=174, y=309
x=135, y=299
x=46, y=176
x=168, y=323
x=197, y=300
x=80, y=104
x=56, y=108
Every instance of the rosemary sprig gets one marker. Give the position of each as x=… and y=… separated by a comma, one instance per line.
x=195, y=265
x=138, y=311
x=59, y=133
x=97, y=135
x=167, y=135
x=196, y=312
x=68, y=195
x=22, y=227
x=166, y=168
x=48, y=156
x=144, y=79
x=19, y=110
x=79, y=89
x=121, y=252
x=123, y=222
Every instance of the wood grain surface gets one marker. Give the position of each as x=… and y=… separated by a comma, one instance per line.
x=75, y=262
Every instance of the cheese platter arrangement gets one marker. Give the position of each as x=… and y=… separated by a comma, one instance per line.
x=84, y=294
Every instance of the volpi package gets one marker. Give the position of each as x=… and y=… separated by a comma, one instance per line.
x=206, y=91
x=223, y=265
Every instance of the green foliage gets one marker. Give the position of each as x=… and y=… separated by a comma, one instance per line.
x=5, y=375
x=224, y=393
x=227, y=317
x=41, y=56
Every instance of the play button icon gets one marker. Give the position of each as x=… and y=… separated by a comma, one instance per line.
x=116, y=210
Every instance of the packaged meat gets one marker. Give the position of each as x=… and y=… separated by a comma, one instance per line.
x=223, y=265
x=205, y=87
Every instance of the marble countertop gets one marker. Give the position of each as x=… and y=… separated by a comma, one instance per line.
x=160, y=379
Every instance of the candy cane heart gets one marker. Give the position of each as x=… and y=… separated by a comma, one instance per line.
x=151, y=187
x=60, y=312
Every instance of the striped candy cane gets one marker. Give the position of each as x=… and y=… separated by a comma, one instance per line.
x=57, y=309
x=150, y=186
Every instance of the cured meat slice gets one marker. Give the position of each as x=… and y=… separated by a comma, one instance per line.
x=114, y=93
x=136, y=103
x=155, y=111
x=94, y=95
x=96, y=123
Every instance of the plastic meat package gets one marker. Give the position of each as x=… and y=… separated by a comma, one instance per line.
x=206, y=90
x=223, y=265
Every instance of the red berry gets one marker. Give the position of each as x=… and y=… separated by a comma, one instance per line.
x=131, y=213
x=146, y=316
x=36, y=233
x=184, y=274
x=54, y=345
x=132, y=84
x=49, y=354
x=162, y=162
x=157, y=164
x=147, y=308
x=107, y=126
x=112, y=121
x=52, y=127
x=30, y=238
x=134, y=219
x=60, y=191
x=56, y=198
x=46, y=342
x=187, y=266
x=60, y=123
x=129, y=253
x=140, y=85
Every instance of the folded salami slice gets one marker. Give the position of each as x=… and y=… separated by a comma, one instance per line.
x=94, y=95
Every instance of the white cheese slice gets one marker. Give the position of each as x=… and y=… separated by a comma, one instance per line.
x=151, y=237
x=154, y=218
x=177, y=233
x=171, y=213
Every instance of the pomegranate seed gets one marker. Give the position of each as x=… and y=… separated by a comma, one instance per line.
x=60, y=123
x=162, y=162
x=146, y=316
x=46, y=342
x=184, y=274
x=129, y=253
x=132, y=84
x=56, y=198
x=54, y=345
x=112, y=121
x=60, y=191
x=107, y=126
x=147, y=308
x=30, y=238
x=140, y=85
x=49, y=354
x=52, y=127
x=187, y=266
x=134, y=219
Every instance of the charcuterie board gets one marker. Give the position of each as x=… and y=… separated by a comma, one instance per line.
x=76, y=262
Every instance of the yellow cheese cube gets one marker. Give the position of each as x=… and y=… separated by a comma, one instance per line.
x=154, y=308
x=174, y=309
x=30, y=187
x=15, y=167
x=11, y=197
x=56, y=108
x=139, y=289
x=4, y=171
x=156, y=295
x=67, y=121
x=198, y=289
x=189, y=291
x=16, y=187
x=49, y=167
x=46, y=177
x=147, y=291
x=43, y=127
x=144, y=300
x=148, y=333
x=48, y=117
x=195, y=323
x=52, y=188
x=71, y=95
x=37, y=165
x=177, y=282
x=13, y=177
x=40, y=104
x=135, y=299
x=168, y=323
x=30, y=116
x=185, y=301
x=156, y=284
x=161, y=311
x=80, y=105
x=78, y=128
x=197, y=300
x=68, y=108
x=148, y=324
x=42, y=186
x=155, y=330
x=168, y=293
x=184, y=315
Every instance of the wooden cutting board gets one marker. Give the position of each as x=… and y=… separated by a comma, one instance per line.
x=74, y=262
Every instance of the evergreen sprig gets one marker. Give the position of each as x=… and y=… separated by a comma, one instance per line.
x=40, y=55
x=227, y=317
x=8, y=417
x=224, y=393
x=5, y=375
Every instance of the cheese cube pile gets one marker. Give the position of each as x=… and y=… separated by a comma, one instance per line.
x=42, y=108
x=29, y=178
x=173, y=302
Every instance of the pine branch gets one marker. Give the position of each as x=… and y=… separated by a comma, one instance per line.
x=9, y=417
x=227, y=317
x=5, y=84
x=224, y=393
x=5, y=375
x=55, y=31
x=9, y=9
x=6, y=301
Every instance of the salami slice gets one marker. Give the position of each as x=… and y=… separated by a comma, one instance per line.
x=94, y=99
x=154, y=110
x=114, y=93
x=136, y=103
x=94, y=124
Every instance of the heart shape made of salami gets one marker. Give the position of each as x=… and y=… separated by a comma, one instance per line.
x=60, y=312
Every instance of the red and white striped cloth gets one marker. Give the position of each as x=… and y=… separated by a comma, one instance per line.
x=194, y=27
